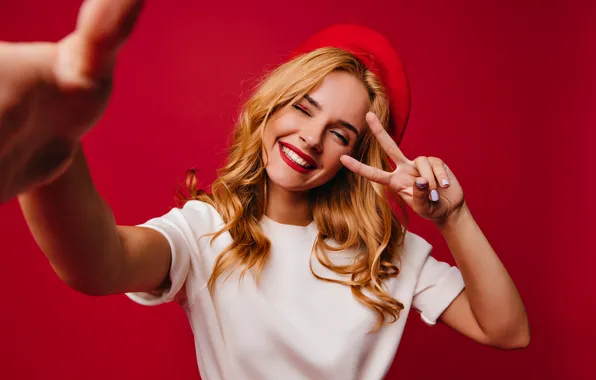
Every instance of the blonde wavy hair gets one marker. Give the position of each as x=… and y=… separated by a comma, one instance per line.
x=350, y=210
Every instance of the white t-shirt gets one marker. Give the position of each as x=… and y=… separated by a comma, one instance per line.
x=293, y=325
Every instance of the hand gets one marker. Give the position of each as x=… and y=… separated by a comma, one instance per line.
x=426, y=184
x=52, y=93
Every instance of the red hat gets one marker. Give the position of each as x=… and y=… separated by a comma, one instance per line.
x=377, y=54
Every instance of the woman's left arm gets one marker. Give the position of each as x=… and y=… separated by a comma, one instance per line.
x=490, y=309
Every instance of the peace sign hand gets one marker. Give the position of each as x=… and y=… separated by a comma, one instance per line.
x=426, y=184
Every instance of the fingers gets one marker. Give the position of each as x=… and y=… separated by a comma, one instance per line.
x=440, y=171
x=421, y=194
x=373, y=174
x=384, y=139
x=426, y=171
x=104, y=26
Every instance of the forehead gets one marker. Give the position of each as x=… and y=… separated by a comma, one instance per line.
x=343, y=96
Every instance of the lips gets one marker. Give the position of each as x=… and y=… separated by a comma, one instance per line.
x=301, y=154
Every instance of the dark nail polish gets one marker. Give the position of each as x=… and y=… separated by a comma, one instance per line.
x=421, y=185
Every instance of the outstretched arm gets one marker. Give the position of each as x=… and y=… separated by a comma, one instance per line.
x=50, y=95
x=76, y=230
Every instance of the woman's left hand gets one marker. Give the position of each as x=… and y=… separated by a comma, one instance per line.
x=426, y=184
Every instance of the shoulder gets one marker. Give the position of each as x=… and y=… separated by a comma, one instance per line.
x=193, y=217
x=414, y=252
x=200, y=209
x=415, y=246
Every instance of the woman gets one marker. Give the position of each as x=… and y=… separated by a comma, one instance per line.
x=294, y=266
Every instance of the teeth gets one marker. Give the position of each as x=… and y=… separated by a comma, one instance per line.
x=294, y=157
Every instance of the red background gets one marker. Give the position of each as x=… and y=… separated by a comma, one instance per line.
x=503, y=91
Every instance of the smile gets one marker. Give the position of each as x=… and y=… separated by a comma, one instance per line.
x=294, y=160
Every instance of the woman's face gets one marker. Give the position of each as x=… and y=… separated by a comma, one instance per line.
x=305, y=141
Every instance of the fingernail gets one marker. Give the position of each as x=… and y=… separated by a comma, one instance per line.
x=434, y=195
x=445, y=182
x=421, y=184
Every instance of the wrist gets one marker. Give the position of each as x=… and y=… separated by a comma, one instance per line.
x=51, y=164
x=455, y=219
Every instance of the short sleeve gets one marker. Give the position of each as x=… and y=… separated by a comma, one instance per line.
x=181, y=227
x=438, y=285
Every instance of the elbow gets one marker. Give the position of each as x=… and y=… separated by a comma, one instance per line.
x=514, y=343
x=89, y=288
x=518, y=339
x=84, y=284
x=525, y=342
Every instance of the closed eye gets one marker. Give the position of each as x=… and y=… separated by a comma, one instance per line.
x=302, y=109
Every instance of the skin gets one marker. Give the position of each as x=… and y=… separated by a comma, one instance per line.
x=317, y=131
x=60, y=92
x=489, y=310
x=53, y=93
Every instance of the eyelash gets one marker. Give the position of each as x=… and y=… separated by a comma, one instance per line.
x=304, y=111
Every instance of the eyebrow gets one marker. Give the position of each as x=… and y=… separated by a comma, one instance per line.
x=342, y=122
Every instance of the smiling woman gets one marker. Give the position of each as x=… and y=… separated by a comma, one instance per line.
x=314, y=131
x=297, y=172
x=294, y=265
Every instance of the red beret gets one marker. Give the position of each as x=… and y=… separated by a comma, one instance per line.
x=377, y=54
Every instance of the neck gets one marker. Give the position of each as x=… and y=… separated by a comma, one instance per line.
x=287, y=207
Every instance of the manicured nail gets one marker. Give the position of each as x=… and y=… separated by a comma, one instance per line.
x=445, y=182
x=434, y=195
x=421, y=184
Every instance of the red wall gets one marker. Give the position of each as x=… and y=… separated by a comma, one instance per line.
x=503, y=91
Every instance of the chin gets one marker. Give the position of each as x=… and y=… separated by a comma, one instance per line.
x=287, y=181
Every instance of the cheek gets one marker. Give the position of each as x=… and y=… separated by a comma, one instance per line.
x=331, y=161
x=279, y=126
x=275, y=129
x=269, y=135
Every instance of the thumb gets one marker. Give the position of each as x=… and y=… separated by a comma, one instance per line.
x=103, y=26
x=107, y=24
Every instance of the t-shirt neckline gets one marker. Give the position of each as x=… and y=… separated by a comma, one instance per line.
x=265, y=219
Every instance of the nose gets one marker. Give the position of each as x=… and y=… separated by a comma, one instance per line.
x=312, y=135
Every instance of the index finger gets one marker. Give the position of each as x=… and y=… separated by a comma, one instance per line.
x=384, y=139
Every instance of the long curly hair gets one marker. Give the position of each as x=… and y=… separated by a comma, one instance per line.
x=349, y=211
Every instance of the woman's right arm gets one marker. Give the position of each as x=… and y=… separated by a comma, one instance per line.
x=76, y=230
x=51, y=94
